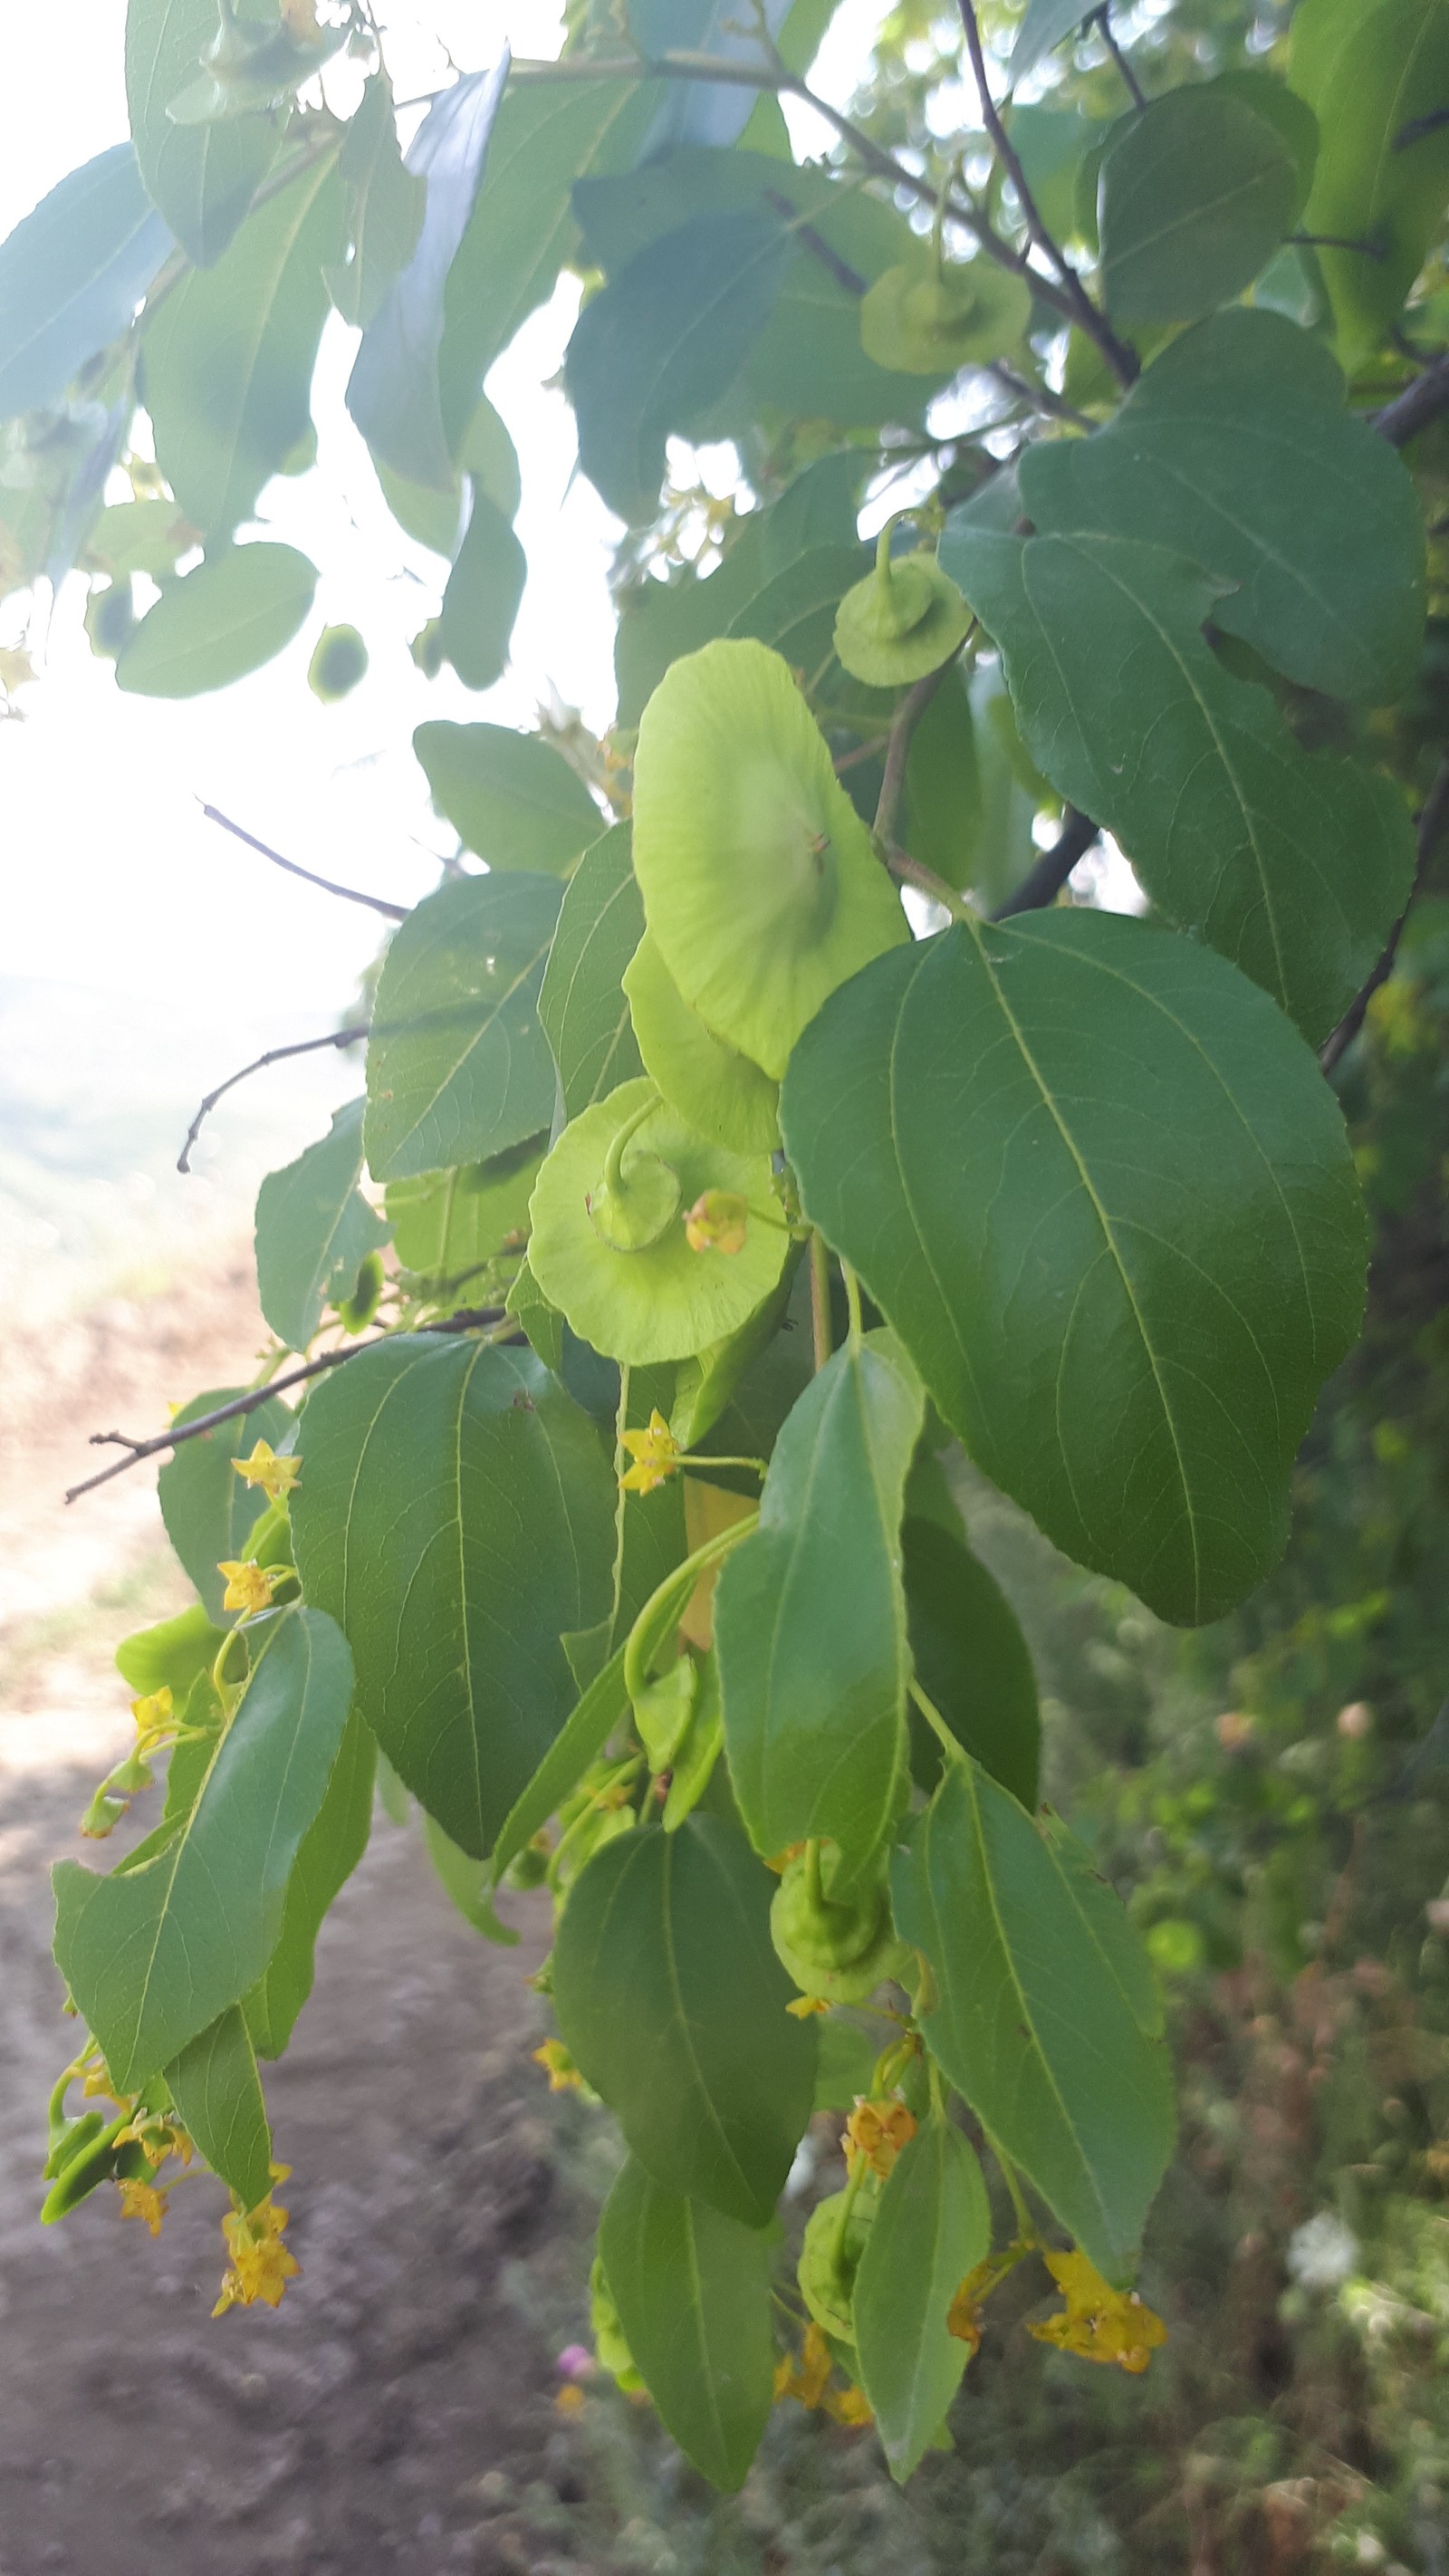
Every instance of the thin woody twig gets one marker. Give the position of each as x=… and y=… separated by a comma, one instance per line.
x=1418, y=405
x=274, y=1055
x=1101, y=20
x=898, y=745
x=349, y=894
x=1432, y=819
x=1040, y=397
x=1043, y=883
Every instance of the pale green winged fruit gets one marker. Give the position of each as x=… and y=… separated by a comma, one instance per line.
x=721, y=1093
x=839, y=1951
x=925, y=319
x=249, y=67
x=610, y=1243
x=904, y=620
x=761, y=886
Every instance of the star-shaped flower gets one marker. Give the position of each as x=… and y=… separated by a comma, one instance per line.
x=655, y=1452
x=248, y=1585
x=1098, y=2322
x=276, y=1476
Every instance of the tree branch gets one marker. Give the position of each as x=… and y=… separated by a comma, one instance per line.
x=1100, y=19
x=1039, y=397
x=1432, y=820
x=898, y=745
x=274, y=1055
x=911, y=872
x=1043, y=883
x=1416, y=406
x=349, y=894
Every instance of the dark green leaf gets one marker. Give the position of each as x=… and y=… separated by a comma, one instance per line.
x=385, y=202
x=227, y=356
x=446, y=1225
x=692, y=2291
x=313, y=1228
x=482, y=596
x=582, y=1004
x=331, y=1849
x=455, y=1512
x=1295, y=865
x=1195, y=195
x=458, y=1068
x=226, y=618
x=186, y=1926
x=1045, y=2017
x=810, y=1616
x=672, y=2002
x=846, y=2062
x=1127, y=1328
x=1235, y=448
x=509, y=796
x=932, y=2227
x=207, y=1508
x=972, y=1661
x=200, y=176
x=218, y=2097
x=71, y=277
x=1368, y=71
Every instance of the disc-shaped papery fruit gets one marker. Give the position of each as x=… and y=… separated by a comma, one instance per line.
x=660, y=1300
x=719, y=1091
x=838, y=1951
x=760, y=884
x=835, y=2235
x=906, y=618
x=923, y=321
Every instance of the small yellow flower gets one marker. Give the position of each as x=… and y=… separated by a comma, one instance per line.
x=248, y=1585
x=143, y=2200
x=96, y=2082
x=260, y=2265
x=155, y=1721
x=804, y=2005
x=963, y=2317
x=553, y=2057
x=848, y=2406
x=717, y=1222
x=1099, y=2323
x=157, y=2137
x=808, y=2377
x=276, y=1476
x=878, y=2131
x=655, y=1452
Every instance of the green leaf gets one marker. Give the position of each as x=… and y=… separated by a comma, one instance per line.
x=944, y=800
x=227, y=356
x=217, y=2092
x=465, y=1882
x=1195, y=195
x=208, y=1510
x=455, y=1512
x=1368, y=71
x=394, y=392
x=447, y=1225
x=972, y=1662
x=1045, y=2017
x=582, y=1004
x=228, y=617
x=931, y=2227
x=579, y=1743
x=1044, y=24
x=509, y=796
x=1294, y=865
x=200, y=176
x=1127, y=1330
x=810, y=1615
x=458, y=1068
x=692, y=2291
x=313, y=1228
x=385, y=202
x=170, y=1655
x=846, y=2062
x=330, y=1851
x=702, y=112
x=71, y=277
x=481, y=600
x=672, y=2002
x=663, y=341
x=138, y=536
x=1235, y=448
x=153, y=1953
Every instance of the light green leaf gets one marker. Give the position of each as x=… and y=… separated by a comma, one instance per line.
x=1368, y=69
x=972, y=1662
x=465, y=1882
x=509, y=796
x=71, y=277
x=208, y=1510
x=1128, y=1335
x=200, y=176
x=672, y=2002
x=330, y=1851
x=385, y=202
x=1293, y=864
x=580, y=1742
x=455, y=1512
x=1195, y=195
x=715, y=1089
x=170, y=1655
x=692, y=2291
x=447, y=1225
x=582, y=1004
x=810, y=1615
x=138, y=536
x=228, y=617
x=458, y=1068
x=1235, y=448
x=1044, y=23
x=153, y=1953
x=944, y=801
x=313, y=1228
x=217, y=2092
x=932, y=2226
x=1040, y=2019
x=481, y=600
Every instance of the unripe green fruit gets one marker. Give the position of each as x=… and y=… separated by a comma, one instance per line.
x=921, y=320
x=719, y=1091
x=337, y=665
x=840, y=1951
x=356, y=1312
x=110, y=617
x=903, y=621
x=639, y=1207
x=830, y=2259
